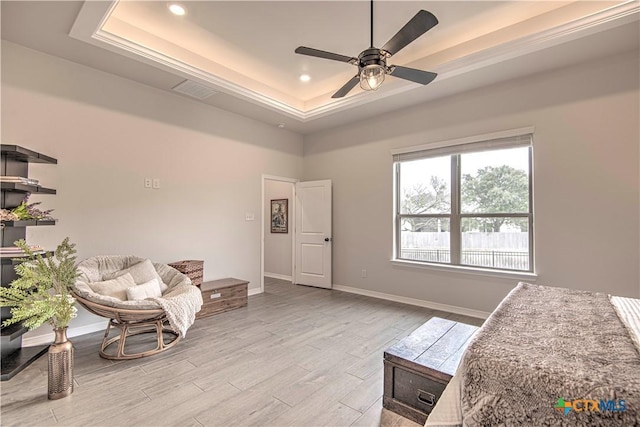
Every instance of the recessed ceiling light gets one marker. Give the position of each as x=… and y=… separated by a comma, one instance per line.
x=305, y=77
x=177, y=9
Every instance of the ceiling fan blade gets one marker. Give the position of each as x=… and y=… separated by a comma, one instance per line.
x=411, y=74
x=347, y=87
x=417, y=26
x=322, y=54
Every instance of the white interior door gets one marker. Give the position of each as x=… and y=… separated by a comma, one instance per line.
x=313, y=234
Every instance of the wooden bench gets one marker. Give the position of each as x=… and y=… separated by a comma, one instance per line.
x=419, y=367
x=222, y=295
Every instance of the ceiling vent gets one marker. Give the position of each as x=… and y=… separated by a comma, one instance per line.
x=193, y=89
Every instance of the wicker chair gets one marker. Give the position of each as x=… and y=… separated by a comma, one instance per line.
x=129, y=317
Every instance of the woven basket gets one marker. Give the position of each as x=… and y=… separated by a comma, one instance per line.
x=192, y=268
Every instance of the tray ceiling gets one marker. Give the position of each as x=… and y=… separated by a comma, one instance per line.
x=244, y=50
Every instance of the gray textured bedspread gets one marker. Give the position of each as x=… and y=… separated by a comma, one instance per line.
x=543, y=344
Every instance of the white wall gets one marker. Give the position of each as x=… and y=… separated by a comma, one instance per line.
x=278, y=247
x=109, y=133
x=586, y=182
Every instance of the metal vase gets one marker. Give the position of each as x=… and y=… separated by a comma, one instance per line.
x=60, y=365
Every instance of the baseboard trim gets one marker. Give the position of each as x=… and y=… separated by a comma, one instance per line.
x=254, y=291
x=414, y=301
x=71, y=332
x=278, y=276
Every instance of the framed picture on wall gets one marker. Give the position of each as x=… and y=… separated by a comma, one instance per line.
x=280, y=216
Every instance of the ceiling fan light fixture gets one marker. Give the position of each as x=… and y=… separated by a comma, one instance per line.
x=372, y=76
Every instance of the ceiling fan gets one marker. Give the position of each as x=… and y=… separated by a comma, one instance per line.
x=372, y=62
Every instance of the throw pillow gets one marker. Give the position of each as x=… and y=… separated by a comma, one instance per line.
x=141, y=272
x=151, y=289
x=116, y=288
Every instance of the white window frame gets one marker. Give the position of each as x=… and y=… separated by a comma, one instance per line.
x=514, y=138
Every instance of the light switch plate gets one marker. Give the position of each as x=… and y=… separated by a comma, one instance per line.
x=249, y=216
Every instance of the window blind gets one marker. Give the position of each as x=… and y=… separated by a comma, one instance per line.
x=424, y=151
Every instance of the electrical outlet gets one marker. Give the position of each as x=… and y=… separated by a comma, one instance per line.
x=364, y=273
x=249, y=216
x=147, y=183
x=156, y=183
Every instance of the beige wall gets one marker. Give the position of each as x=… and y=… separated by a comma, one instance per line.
x=109, y=133
x=586, y=182
x=278, y=247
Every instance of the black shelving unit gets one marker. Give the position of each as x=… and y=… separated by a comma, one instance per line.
x=25, y=188
x=28, y=223
x=15, y=161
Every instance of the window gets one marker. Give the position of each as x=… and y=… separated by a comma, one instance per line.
x=467, y=204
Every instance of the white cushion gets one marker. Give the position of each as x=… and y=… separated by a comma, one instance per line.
x=151, y=289
x=141, y=272
x=116, y=288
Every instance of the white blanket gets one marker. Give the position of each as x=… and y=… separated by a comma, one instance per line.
x=181, y=305
x=448, y=411
x=628, y=310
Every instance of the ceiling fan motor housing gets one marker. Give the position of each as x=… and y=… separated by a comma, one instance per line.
x=372, y=56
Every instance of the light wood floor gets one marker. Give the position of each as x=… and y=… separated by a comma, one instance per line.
x=296, y=356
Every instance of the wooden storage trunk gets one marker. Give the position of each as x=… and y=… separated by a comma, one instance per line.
x=419, y=367
x=222, y=295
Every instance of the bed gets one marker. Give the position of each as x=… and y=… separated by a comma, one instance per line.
x=549, y=356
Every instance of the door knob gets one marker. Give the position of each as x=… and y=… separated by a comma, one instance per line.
x=327, y=239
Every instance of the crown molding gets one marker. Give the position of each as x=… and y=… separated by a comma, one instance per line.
x=606, y=19
x=93, y=16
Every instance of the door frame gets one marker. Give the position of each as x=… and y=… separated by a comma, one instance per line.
x=292, y=213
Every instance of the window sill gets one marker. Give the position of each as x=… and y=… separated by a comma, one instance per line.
x=526, y=276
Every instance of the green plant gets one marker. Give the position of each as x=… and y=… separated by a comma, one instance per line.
x=27, y=211
x=42, y=292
